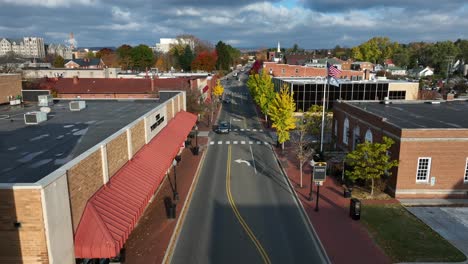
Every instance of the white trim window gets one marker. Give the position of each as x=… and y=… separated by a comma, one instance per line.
x=368, y=137
x=346, y=131
x=424, y=169
x=465, y=179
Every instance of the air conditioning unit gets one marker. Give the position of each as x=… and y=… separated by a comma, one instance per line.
x=77, y=105
x=34, y=118
x=45, y=100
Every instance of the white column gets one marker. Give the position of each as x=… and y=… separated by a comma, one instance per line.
x=105, y=167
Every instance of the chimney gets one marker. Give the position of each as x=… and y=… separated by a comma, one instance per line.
x=75, y=80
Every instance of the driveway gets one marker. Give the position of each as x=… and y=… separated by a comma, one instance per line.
x=449, y=222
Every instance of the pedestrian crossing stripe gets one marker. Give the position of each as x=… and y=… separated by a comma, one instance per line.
x=235, y=142
x=250, y=142
x=228, y=142
x=235, y=129
x=220, y=142
x=212, y=143
x=254, y=130
x=242, y=129
x=248, y=129
x=258, y=142
x=242, y=142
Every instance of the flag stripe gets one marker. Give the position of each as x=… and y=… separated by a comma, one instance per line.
x=332, y=70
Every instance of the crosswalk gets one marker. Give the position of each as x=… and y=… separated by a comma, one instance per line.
x=239, y=142
x=246, y=130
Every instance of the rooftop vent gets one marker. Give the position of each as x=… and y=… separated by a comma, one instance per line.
x=77, y=105
x=34, y=118
x=45, y=100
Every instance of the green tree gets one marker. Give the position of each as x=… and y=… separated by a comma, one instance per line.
x=142, y=57
x=223, y=62
x=263, y=91
x=124, y=53
x=281, y=114
x=59, y=62
x=186, y=58
x=370, y=161
x=90, y=55
x=401, y=56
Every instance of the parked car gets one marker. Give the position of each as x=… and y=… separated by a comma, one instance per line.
x=223, y=128
x=227, y=100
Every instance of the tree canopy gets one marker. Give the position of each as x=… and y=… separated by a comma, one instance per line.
x=142, y=57
x=262, y=89
x=281, y=114
x=59, y=62
x=370, y=161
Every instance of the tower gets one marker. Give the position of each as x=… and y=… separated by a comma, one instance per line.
x=279, y=49
x=72, y=41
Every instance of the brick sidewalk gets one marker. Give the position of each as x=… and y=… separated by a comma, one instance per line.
x=344, y=239
x=149, y=240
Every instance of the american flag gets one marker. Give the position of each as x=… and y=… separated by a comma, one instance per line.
x=333, y=71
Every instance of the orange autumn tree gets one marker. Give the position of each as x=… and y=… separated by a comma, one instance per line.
x=205, y=61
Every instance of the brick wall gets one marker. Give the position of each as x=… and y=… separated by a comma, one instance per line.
x=138, y=136
x=117, y=153
x=10, y=85
x=285, y=70
x=84, y=179
x=26, y=244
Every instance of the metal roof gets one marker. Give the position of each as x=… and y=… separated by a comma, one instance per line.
x=111, y=214
x=30, y=152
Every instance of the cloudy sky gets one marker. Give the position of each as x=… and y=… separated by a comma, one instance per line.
x=241, y=23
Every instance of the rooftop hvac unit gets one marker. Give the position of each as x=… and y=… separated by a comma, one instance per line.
x=45, y=100
x=34, y=118
x=77, y=105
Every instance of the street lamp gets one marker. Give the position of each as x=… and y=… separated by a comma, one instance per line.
x=196, y=136
x=175, y=193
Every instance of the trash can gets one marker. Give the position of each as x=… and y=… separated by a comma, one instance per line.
x=347, y=193
x=196, y=150
x=188, y=143
x=172, y=211
x=355, y=209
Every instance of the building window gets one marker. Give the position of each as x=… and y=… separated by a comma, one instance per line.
x=283, y=71
x=466, y=171
x=297, y=70
x=368, y=137
x=335, y=131
x=346, y=131
x=424, y=168
x=397, y=95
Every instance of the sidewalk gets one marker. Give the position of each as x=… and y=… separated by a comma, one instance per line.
x=205, y=125
x=149, y=240
x=344, y=239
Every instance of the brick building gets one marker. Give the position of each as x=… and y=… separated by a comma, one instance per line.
x=285, y=70
x=431, y=143
x=10, y=87
x=101, y=88
x=76, y=185
x=309, y=91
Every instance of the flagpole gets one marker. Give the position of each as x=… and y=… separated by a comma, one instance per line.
x=323, y=108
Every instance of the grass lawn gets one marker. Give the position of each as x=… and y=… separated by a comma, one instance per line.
x=405, y=238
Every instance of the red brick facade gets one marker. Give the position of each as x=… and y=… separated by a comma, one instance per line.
x=285, y=70
x=446, y=148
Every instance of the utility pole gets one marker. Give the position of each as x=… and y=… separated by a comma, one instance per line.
x=449, y=60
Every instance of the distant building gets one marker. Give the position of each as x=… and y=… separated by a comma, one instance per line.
x=70, y=73
x=362, y=66
x=86, y=63
x=165, y=44
x=60, y=50
x=322, y=63
x=419, y=73
x=10, y=87
x=396, y=71
x=285, y=70
x=28, y=47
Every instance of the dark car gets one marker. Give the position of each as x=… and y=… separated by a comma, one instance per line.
x=223, y=128
x=227, y=100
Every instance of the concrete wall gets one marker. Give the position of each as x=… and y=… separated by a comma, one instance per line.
x=58, y=222
x=151, y=119
x=25, y=244
x=411, y=89
x=10, y=85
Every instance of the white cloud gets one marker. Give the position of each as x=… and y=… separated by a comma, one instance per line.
x=132, y=26
x=49, y=3
x=120, y=15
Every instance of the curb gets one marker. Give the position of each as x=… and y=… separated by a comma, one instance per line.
x=175, y=234
x=301, y=208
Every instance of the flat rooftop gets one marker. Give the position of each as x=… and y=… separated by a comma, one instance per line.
x=321, y=80
x=422, y=115
x=30, y=152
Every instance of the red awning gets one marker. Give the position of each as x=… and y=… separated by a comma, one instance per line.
x=112, y=212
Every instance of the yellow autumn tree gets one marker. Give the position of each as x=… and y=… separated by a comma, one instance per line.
x=281, y=113
x=218, y=90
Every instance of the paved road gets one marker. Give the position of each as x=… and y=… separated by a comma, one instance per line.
x=243, y=210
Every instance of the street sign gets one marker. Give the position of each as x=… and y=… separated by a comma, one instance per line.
x=320, y=171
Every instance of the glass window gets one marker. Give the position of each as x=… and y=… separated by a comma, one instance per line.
x=346, y=131
x=424, y=169
x=368, y=137
x=466, y=172
x=397, y=95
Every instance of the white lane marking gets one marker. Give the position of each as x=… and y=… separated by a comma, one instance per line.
x=254, y=130
x=253, y=160
x=220, y=142
x=235, y=129
x=228, y=142
x=261, y=130
x=242, y=129
x=250, y=142
x=248, y=129
x=235, y=142
x=212, y=143
x=242, y=142
x=258, y=142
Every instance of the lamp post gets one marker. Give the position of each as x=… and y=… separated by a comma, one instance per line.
x=175, y=193
x=196, y=136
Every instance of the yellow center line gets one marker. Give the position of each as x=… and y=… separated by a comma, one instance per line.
x=241, y=220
